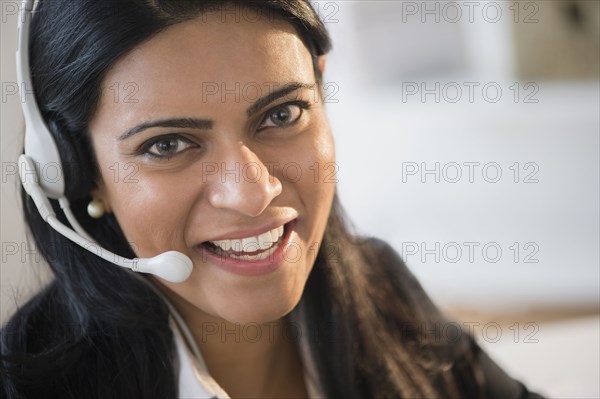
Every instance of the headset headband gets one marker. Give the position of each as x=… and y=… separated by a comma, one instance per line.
x=40, y=146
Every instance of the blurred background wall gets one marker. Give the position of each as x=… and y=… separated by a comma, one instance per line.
x=468, y=137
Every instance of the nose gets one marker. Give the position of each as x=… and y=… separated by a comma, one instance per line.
x=243, y=184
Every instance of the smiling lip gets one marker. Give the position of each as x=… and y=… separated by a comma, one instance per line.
x=238, y=234
x=253, y=267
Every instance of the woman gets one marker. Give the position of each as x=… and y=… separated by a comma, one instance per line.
x=199, y=127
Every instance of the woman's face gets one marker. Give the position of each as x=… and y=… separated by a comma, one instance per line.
x=213, y=135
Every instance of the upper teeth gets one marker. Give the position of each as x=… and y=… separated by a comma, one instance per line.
x=251, y=244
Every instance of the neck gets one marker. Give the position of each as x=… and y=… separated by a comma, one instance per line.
x=251, y=360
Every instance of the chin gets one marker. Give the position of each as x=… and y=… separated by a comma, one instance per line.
x=262, y=309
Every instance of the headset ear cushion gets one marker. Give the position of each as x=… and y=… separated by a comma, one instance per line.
x=77, y=161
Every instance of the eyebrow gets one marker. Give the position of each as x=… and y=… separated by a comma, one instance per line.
x=185, y=123
x=276, y=94
x=207, y=124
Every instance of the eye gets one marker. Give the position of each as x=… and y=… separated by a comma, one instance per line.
x=283, y=115
x=166, y=146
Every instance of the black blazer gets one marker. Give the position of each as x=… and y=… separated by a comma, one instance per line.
x=497, y=384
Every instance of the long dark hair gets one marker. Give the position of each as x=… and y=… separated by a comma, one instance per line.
x=95, y=331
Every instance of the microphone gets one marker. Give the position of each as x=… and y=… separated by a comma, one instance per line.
x=172, y=266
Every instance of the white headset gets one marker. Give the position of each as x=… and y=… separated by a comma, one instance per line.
x=41, y=151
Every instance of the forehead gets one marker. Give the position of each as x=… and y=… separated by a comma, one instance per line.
x=188, y=61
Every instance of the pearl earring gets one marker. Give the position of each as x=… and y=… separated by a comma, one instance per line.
x=96, y=208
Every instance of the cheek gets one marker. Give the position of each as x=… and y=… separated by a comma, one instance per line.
x=310, y=162
x=316, y=187
x=151, y=211
x=319, y=173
